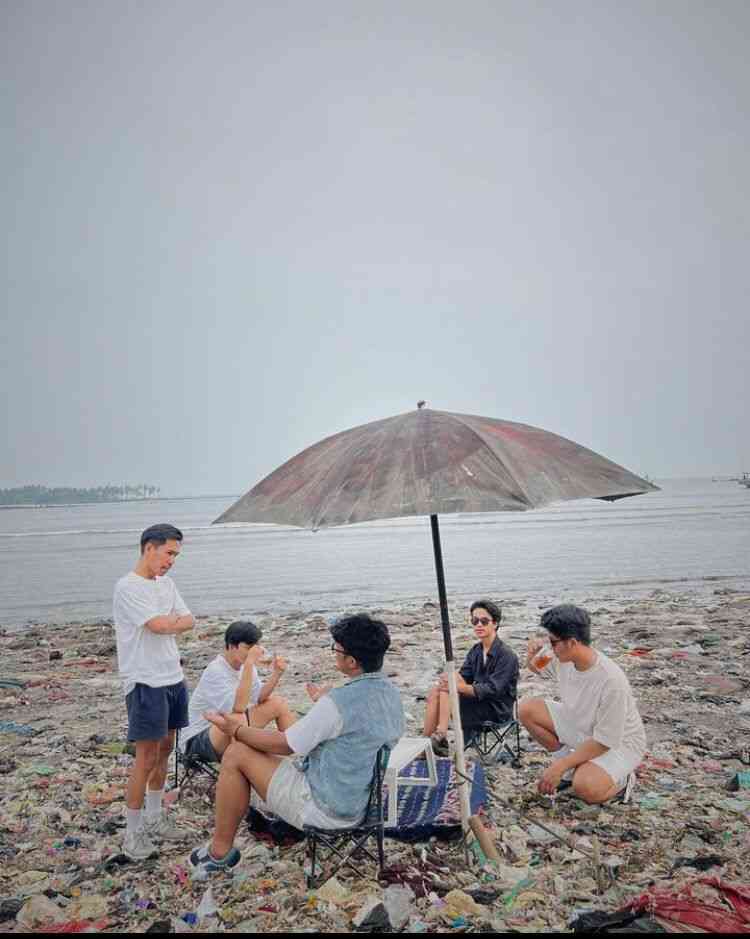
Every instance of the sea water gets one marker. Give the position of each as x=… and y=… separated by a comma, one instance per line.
x=60, y=564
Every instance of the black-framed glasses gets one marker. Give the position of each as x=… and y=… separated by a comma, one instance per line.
x=554, y=642
x=484, y=620
x=338, y=651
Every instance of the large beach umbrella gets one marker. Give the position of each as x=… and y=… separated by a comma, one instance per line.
x=426, y=462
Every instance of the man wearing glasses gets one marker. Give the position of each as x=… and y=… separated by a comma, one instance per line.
x=335, y=744
x=595, y=734
x=486, y=682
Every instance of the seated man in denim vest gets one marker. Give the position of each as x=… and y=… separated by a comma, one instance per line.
x=335, y=744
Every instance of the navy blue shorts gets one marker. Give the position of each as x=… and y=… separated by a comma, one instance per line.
x=153, y=712
x=201, y=747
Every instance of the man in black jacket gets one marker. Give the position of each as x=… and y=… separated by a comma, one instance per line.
x=486, y=681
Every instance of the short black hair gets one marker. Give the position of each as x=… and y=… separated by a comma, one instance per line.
x=242, y=631
x=568, y=622
x=492, y=608
x=159, y=535
x=364, y=638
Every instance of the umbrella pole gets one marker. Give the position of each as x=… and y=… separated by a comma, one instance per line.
x=463, y=788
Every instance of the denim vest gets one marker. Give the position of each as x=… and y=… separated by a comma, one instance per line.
x=339, y=771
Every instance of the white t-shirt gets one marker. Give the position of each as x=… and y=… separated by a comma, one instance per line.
x=600, y=703
x=145, y=657
x=215, y=691
x=322, y=722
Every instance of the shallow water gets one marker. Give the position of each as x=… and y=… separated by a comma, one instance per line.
x=60, y=564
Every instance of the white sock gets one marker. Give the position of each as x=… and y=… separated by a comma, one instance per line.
x=134, y=820
x=153, y=803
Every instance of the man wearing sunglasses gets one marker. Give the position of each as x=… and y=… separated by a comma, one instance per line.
x=335, y=744
x=486, y=681
x=595, y=732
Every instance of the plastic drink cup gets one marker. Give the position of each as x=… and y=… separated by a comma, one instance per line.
x=543, y=657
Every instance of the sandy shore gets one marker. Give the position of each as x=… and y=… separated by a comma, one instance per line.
x=63, y=771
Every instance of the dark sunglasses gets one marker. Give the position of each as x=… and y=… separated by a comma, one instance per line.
x=484, y=620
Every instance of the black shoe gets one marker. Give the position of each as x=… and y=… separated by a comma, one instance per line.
x=440, y=745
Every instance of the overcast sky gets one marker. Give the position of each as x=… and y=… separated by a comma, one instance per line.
x=234, y=228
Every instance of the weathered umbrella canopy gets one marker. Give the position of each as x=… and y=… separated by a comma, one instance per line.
x=426, y=462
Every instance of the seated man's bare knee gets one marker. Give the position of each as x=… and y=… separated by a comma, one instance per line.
x=592, y=784
x=234, y=755
x=533, y=711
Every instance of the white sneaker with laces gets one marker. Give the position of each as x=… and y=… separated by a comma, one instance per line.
x=163, y=828
x=138, y=846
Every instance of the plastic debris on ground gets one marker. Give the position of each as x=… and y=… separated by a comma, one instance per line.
x=64, y=764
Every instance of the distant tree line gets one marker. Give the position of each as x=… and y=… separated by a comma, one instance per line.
x=64, y=495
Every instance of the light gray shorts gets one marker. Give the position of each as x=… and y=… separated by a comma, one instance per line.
x=290, y=798
x=617, y=763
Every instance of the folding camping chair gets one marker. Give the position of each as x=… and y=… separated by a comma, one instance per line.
x=348, y=845
x=491, y=740
x=191, y=766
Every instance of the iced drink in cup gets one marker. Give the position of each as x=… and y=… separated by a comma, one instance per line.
x=543, y=657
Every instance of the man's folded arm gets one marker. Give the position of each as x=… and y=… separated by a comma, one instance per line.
x=171, y=624
x=268, y=741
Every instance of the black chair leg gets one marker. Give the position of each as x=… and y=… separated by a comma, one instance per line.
x=312, y=842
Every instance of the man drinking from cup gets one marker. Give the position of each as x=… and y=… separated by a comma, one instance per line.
x=595, y=734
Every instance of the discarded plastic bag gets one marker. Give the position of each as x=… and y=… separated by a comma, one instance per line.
x=40, y=911
x=207, y=907
x=399, y=902
x=98, y=795
x=458, y=903
x=333, y=892
x=90, y=907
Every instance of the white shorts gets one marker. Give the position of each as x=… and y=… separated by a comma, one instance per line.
x=617, y=763
x=290, y=798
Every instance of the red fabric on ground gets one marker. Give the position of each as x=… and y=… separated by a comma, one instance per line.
x=681, y=906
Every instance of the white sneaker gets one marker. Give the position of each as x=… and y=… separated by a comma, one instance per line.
x=138, y=846
x=162, y=828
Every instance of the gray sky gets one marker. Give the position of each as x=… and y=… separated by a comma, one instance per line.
x=234, y=228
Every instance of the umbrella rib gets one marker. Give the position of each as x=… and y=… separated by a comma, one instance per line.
x=522, y=489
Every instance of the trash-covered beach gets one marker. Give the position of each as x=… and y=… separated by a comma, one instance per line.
x=64, y=763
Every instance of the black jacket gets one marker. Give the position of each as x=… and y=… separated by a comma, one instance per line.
x=495, y=683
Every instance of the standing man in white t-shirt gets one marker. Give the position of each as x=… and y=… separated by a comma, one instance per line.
x=148, y=614
x=596, y=733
